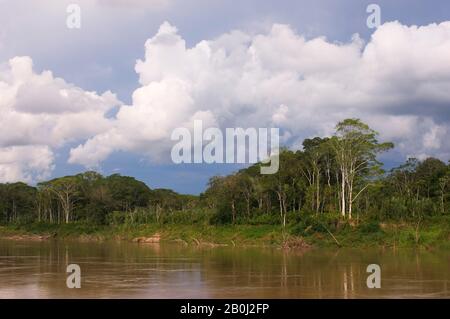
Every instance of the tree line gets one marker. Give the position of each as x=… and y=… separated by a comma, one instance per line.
x=337, y=176
x=88, y=197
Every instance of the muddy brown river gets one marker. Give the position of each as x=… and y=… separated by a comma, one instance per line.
x=128, y=270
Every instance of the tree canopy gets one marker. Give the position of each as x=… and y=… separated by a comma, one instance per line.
x=339, y=175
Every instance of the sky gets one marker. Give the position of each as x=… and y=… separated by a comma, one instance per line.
x=108, y=95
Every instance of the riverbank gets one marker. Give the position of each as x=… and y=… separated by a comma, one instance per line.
x=428, y=234
x=240, y=235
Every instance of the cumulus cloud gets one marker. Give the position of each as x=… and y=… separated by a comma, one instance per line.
x=398, y=82
x=39, y=113
x=25, y=163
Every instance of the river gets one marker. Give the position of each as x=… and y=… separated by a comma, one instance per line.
x=128, y=270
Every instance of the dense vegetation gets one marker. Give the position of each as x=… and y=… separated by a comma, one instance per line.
x=330, y=185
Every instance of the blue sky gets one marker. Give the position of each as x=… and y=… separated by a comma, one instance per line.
x=102, y=55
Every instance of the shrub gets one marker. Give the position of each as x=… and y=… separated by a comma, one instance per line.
x=265, y=219
x=312, y=223
x=370, y=227
x=116, y=218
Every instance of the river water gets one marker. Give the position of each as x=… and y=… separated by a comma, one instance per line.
x=128, y=270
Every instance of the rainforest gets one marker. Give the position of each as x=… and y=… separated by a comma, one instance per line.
x=333, y=191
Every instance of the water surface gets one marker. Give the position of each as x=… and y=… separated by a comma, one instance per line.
x=128, y=270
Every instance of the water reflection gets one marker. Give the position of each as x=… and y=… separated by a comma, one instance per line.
x=125, y=270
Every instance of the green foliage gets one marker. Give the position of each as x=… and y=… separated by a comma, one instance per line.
x=309, y=223
x=302, y=198
x=116, y=218
x=222, y=216
x=370, y=227
x=263, y=219
x=17, y=203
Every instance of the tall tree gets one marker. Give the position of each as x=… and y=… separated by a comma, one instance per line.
x=65, y=189
x=356, y=148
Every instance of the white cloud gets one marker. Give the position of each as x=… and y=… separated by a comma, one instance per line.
x=40, y=113
x=399, y=82
x=25, y=163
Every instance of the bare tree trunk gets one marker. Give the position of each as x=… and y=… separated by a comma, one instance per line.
x=281, y=203
x=50, y=212
x=284, y=211
x=318, y=192
x=343, y=193
x=350, y=200
x=158, y=212
x=443, y=185
x=67, y=208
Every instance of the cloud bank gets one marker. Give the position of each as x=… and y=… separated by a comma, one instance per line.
x=40, y=113
x=398, y=82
